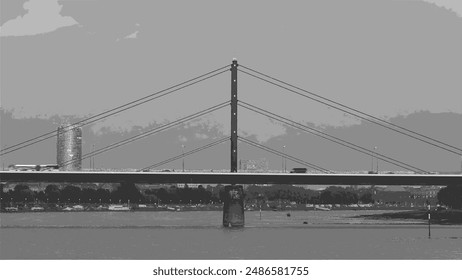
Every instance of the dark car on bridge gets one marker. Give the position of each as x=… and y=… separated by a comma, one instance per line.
x=298, y=170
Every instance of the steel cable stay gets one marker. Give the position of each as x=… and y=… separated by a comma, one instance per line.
x=116, y=110
x=334, y=139
x=352, y=109
x=222, y=140
x=356, y=113
x=330, y=137
x=278, y=153
x=151, y=132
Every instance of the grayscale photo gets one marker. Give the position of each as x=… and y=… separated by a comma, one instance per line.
x=231, y=130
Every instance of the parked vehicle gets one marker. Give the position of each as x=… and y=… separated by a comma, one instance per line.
x=118, y=207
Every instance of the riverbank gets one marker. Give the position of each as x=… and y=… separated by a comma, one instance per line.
x=108, y=207
x=272, y=206
x=443, y=217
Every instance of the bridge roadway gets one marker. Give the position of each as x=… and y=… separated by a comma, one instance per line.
x=231, y=178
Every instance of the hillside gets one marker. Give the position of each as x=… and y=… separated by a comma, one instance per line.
x=446, y=127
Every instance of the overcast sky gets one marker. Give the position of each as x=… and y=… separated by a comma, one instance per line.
x=80, y=57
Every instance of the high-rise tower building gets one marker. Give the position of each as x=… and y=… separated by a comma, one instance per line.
x=69, y=148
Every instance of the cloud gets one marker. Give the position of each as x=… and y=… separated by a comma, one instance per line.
x=43, y=16
x=201, y=136
x=132, y=36
x=453, y=5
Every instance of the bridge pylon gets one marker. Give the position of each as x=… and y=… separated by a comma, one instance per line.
x=234, y=115
x=233, y=208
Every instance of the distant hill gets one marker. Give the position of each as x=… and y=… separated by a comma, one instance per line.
x=446, y=127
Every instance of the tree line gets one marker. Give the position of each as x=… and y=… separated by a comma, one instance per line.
x=124, y=192
x=72, y=194
x=451, y=196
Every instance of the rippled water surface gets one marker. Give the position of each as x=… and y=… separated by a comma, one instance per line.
x=199, y=235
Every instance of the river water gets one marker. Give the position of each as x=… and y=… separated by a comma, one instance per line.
x=199, y=235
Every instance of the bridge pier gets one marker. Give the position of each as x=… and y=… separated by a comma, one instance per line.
x=233, y=209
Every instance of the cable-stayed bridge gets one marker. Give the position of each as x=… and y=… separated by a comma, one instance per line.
x=318, y=175
x=234, y=138
x=233, y=178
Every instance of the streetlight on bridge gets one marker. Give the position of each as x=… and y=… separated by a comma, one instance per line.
x=372, y=161
x=374, y=155
x=182, y=149
x=283, y=159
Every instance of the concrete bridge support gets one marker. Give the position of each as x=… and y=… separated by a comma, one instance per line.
x=233, y=209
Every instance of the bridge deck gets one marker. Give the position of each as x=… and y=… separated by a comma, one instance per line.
x=232, y=178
